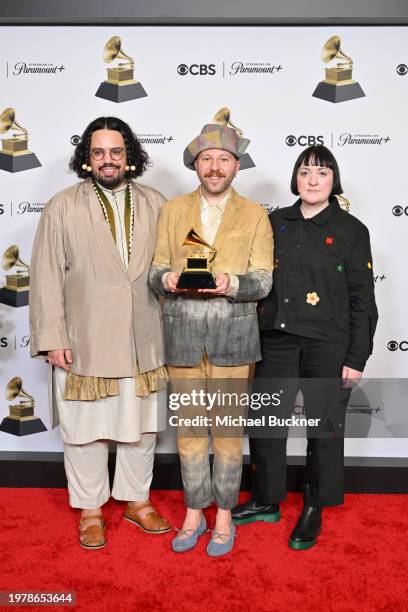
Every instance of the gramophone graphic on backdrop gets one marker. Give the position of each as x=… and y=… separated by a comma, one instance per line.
x=120, y=85
x=16, y=290
x=338, y=86
x=21, y=420
x=15, y=156
x=344, y=203
x=223, y=117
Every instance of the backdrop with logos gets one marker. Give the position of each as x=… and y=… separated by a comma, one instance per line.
x=54, y=80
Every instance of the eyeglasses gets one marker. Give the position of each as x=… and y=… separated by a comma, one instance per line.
x=99, y=154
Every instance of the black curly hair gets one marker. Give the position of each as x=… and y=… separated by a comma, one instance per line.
x=135, y=155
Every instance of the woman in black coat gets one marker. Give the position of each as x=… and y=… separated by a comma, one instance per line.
x=317, y=327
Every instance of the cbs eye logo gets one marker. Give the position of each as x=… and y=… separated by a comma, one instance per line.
x=393, y=345
x=291, y=141
x=196, y=69
x=303, y=141
x=398, y=211
x=402, y=69
x=182, y=69
x=75, y=140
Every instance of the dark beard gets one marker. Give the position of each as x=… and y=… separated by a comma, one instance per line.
x=110, y=182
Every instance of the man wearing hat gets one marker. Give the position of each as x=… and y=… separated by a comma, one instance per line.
x=212, y=333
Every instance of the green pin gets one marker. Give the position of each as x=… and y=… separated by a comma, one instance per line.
x=339, y=268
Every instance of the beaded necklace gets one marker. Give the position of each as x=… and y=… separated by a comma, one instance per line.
x=129, y=195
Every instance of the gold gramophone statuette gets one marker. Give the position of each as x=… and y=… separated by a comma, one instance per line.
x=197, y=275
x=22, y=420
x=16, y=290
x=223, y=117
x=343, y=202
x=123, y=71
x=120, y=85
x=338, y=86
x=15, y=156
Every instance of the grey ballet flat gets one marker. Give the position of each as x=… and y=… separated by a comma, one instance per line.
x=215, y=549
x=179, y=544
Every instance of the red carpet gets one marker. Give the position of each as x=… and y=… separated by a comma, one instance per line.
x=360, y=563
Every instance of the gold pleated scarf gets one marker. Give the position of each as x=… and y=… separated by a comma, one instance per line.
x=92, y=388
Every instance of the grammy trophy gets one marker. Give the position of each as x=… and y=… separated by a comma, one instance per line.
x=120, y=85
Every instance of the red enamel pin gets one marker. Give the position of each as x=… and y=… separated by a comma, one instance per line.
x=329, y=240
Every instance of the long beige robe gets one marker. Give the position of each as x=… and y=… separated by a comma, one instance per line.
x=124, y=417
x=81, y=295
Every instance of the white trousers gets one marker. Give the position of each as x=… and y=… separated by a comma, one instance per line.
x=86, y=467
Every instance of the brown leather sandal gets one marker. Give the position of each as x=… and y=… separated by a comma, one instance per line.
x=151, y=523
x=93, y=536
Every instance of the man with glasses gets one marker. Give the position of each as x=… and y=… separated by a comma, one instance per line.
x=94, y=317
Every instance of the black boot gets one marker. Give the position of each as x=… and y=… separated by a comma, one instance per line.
x=309, y=524
x=250, y=511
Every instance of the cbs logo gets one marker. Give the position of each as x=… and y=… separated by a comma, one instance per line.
x=196, y=69
x=304, y=141
x=75, y=140
x=398, y=211
x=402, y=69
x=393, y=345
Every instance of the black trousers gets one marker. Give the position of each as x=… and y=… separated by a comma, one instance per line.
x=313, y=366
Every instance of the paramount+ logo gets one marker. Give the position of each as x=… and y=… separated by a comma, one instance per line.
x=304, y=140
x=15, y=342
x=22, y=68
x=393, y=345
x=196, y=69
x=399, y=211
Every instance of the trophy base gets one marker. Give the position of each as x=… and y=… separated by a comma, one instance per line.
x=196, y=280
x=17, y=427
x=120, y=93
x=18, y=163
x=338, y=93
x=14, y=298
x=246, y=162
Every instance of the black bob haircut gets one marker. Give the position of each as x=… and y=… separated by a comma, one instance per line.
x=317, y=155
x=135, y=155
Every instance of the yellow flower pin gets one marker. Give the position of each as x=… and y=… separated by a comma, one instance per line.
x=312, y=298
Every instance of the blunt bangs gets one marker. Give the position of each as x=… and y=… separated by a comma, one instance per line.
x=317, y=155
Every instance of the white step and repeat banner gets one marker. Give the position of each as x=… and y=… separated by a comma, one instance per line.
x=266, y=76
